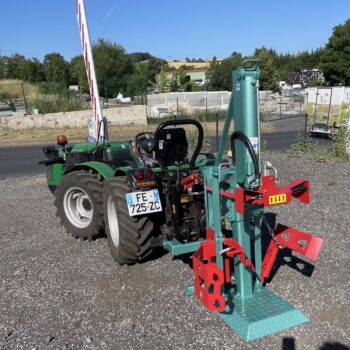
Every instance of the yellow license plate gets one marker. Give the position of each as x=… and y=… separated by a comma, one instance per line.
x=277, y=199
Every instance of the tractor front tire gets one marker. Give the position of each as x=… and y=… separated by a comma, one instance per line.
x=78, y=199
x=129, y=237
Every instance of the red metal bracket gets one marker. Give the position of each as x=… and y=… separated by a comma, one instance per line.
x=234, y=248
x=209, y=278
x=288, y=237
x=269, y=193
x=191, y=180
x=209, y=233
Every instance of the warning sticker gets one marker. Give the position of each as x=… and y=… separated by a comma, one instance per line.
x=255, y=143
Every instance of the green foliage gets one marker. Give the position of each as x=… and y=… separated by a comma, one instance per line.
x=220, y=75
x=285, y=64
x=52, y=88
x=192, y=138
x=113, y=67
x=161, y=80
x=302, y=145
x=132, y=74
x=319, y=81
x=2, y=68
x=268, y=75
x=264, y=146
x=116, y=71
x=13, y=64
x=138, y=81
x=155, y=65
x=56, y=69
x=341, y=144
x=175, y=82
x=344, y=113
x=136, y=57
x=55, y=104
x=273, y=67
x=78, y=73
x=190, y=85
x=335, y=60
x=31, y=70
x=339, y=147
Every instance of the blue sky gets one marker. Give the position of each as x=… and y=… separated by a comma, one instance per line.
x=171, y=29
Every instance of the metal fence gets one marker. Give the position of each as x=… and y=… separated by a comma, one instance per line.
x=282, y=118
x=281, y=134
x=276, y=134
x=282, y=107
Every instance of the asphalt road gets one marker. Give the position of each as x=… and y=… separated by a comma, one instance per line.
x=22, y=160
x=18, y=161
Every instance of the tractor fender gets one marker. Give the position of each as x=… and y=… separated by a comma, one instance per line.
x=121, y=171
x=105, y=170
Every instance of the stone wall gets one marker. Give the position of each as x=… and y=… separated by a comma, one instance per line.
x=116, y=115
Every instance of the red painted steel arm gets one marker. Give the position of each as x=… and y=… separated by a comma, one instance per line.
x=299, y=189
x=288, y=237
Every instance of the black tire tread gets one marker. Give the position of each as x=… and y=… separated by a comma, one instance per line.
x=136, y=232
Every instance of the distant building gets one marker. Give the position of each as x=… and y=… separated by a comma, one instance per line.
x=196, y=75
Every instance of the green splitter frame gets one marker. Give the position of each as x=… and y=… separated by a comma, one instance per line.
x=241, y=299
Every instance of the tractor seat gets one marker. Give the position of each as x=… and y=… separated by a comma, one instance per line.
x=171, y=147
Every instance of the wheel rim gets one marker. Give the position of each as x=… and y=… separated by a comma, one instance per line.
x=113, y=221
x=78, y=207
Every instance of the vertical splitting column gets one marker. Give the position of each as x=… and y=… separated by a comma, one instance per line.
x=245, y=114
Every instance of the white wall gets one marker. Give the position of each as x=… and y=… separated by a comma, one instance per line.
x=338, y=94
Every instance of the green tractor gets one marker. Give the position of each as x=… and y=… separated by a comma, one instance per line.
x=140, y=193
x=143, y=194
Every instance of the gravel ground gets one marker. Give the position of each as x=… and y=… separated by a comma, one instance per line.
x=62, y=293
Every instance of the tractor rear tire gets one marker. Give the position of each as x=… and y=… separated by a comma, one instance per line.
x=129, y=237
x=78, y=199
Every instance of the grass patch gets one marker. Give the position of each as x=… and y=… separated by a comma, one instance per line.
x=12, y=89
x=338, y=149
x=46, y=97
x=116, y=132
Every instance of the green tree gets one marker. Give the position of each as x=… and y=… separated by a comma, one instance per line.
x=2, y=67
x=183, y=78
x=155, y=65
x=113, y=67
x=56, y=69
x=139, y=56
x=78, y=73
x=175, y=82
x=161, y=80
x=190, y=85
x=137, y=83
x=335, y=59
x=12, y=64
x=220, y=75
x=31, y=70
x=268, y=75
x=319, y=81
